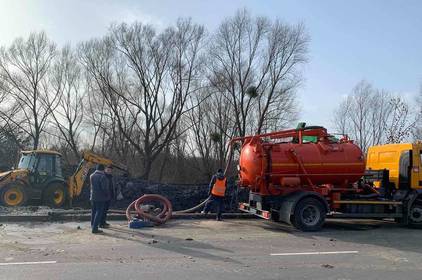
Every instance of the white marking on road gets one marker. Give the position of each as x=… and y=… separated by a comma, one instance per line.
x=315, y=253
x=25, y=263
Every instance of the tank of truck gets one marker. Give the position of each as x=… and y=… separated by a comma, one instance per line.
x=268, y=163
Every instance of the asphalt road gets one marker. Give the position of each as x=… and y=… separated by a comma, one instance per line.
x=233, y=249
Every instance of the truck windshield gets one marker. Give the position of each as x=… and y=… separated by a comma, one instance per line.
x=27, y=162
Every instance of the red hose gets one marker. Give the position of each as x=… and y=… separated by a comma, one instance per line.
x=158, y=219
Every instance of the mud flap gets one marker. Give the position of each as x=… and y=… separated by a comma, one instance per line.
x=288, y=204
x=286, y=209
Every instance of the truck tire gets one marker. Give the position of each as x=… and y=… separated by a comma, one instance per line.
x=14, y=194
x=55, y=195
x=415, y=216
x=309, y=214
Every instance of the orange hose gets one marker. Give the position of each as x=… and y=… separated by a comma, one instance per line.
x=158, y=219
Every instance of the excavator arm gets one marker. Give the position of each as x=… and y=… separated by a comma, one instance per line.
x=89, y=160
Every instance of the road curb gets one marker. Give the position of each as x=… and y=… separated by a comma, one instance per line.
x=58, y=217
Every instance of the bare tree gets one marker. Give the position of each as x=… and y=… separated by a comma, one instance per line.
x=212, y=125
x=380, y=111
x=11, y=142
x=146, y=79
x=69, y=113
x=151, y=97
x=96, y=113
x=372, y=117
x=401, y=121
x=256, y=63
x=24, y=71
x=364, y=114
x=340, y=119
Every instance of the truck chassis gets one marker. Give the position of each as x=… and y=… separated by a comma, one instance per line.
x=307, y=209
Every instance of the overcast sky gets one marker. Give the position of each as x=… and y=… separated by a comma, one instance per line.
x=379, y=41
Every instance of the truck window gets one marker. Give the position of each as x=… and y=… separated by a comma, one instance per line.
x=309, y=139
x=404, y=169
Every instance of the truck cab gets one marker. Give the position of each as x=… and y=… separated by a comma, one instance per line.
x=403, y=162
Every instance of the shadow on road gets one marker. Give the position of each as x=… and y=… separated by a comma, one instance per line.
x=190, y=248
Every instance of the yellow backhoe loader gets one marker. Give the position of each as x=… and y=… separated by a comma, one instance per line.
x=39, y=176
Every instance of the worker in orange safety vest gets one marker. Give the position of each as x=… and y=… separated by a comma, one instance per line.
x=217, y=192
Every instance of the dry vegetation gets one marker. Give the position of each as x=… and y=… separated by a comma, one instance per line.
x=166, y=101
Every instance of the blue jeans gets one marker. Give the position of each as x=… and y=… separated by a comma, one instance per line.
x=217, y=202
x=97, y=213
x=104, y=217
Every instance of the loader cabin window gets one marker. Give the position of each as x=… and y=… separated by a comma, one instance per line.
x=58, y=166
x=46, y=165
x=27, y=162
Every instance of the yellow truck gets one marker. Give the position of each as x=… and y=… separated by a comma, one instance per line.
x=39, y=176
x=403, y=161
x=399, y=169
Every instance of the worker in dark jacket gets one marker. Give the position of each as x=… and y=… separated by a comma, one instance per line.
x=217, y=192
x=108, y=172
x=100, y=194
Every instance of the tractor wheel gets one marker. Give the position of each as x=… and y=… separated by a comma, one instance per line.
x=55, y=195
x=309, y=215
x=14, y=194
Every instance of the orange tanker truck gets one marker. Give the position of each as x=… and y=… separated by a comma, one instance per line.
x=301, y=176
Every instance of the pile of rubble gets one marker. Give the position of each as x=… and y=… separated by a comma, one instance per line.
x=182, y=196
x=25, y=210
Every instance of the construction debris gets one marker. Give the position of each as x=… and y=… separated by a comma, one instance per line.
x=181, y=196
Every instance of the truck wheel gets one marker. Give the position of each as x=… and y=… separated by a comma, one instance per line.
x=309, y=215
x=415, y=216
x=55, y=195
x=14, y=194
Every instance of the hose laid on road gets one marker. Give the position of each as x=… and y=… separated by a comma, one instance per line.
x=165, y=213
x=193, y=209
x=159, y=218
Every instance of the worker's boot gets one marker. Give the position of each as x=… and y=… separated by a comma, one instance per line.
x=205, y=213
x=105, y=225
x=97, y=231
